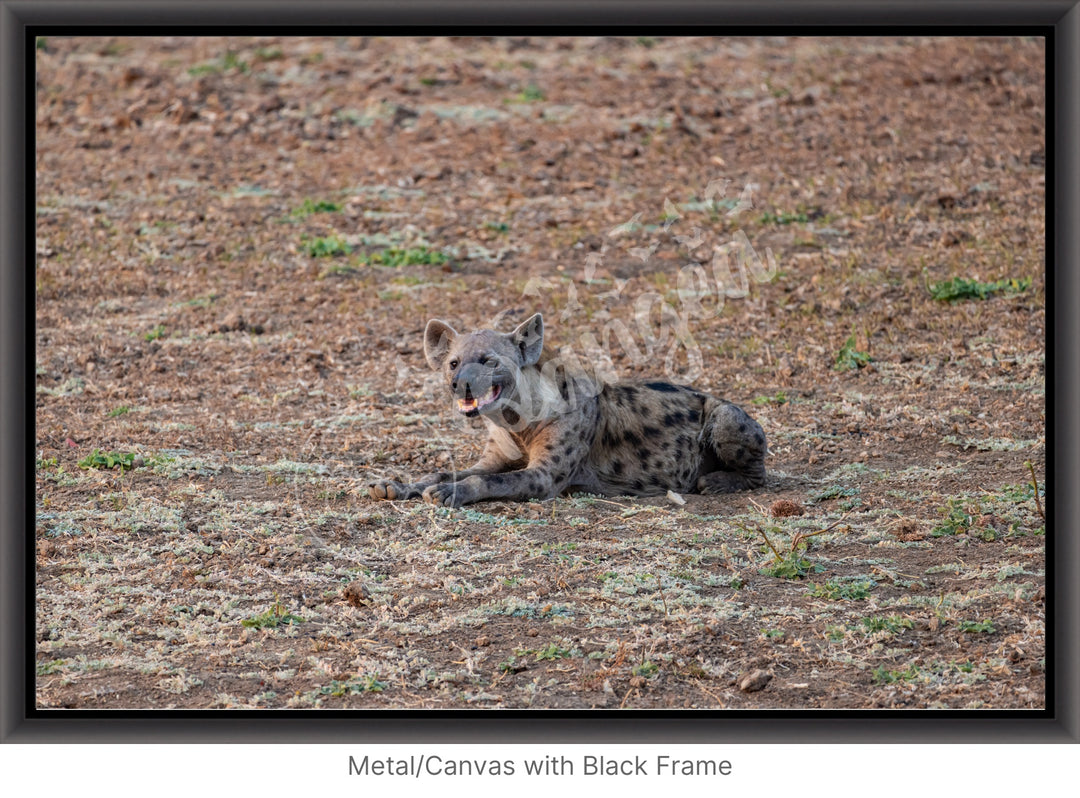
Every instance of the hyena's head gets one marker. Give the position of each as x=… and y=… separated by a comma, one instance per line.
x=483, y=369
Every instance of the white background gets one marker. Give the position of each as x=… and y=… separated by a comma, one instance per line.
x=282, y=770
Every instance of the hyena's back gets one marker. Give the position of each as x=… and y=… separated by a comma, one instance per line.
x=655, y=436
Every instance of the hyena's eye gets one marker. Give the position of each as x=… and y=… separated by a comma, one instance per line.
x=453, y=363
x=485, y=361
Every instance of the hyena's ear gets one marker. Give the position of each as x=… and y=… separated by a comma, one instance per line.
x=529, y=339
x=437, y=339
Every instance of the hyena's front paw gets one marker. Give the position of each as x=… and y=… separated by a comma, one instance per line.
x=392, y=490
x=447, y=494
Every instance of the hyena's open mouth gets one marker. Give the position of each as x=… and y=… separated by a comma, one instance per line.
x=471, y=406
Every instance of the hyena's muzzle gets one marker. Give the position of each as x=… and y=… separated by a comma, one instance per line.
x=476, y=387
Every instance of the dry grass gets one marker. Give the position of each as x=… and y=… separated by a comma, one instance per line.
x=187, y=316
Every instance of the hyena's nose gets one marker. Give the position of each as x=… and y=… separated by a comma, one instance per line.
x=471, y=381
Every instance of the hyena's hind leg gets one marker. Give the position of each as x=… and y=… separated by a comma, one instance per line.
x=734, y=450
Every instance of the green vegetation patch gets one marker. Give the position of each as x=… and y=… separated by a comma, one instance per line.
x=519, y=609
x=530, y=94
x=791, y=565
x=850, y=358
x=646, y=669
x=393, y=257
x=977, y=627
x=784, y=218
x=883, y=675
x=309, y=207
x=959, y=289
x=833, y=492
x=779, y=399
x=892, y=624
x=103, y=460
x=227, y=63
x=273, y=617
x=835, y=590
x=50, y=667
x=354, y=686
x=327, y=247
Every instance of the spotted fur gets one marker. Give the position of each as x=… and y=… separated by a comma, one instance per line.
x=553, y=427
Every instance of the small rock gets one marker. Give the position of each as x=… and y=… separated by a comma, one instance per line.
x=754, y=681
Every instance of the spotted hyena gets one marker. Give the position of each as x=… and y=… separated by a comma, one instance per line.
x=553, y=427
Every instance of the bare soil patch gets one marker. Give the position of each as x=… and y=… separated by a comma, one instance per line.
x=239, y=242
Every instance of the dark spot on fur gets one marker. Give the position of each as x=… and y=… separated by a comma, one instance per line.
x=673, y=419
x=742, y=428
x=631, y=438
x=555, y=459
x=497, y=479
x=630, y=391
x=616, y=467
x=608, y=441
x=643, y=456
x=650, y=432
x=741, y=454
x=663, y=387
x=636, y=484
x=760, y=438
x=692, y=416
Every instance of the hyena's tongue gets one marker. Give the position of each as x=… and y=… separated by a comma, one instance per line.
x=470, y=404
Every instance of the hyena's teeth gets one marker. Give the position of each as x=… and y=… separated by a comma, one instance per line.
x=470, y=404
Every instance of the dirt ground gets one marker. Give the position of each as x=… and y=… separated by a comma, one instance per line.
x=239, y=242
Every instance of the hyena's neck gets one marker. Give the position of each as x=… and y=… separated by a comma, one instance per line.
x=537, y=398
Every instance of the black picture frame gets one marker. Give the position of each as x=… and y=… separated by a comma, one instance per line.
x=20, y=21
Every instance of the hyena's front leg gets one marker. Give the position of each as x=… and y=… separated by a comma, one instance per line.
x=490, y=463
x=538, y=482
x=554, y=457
